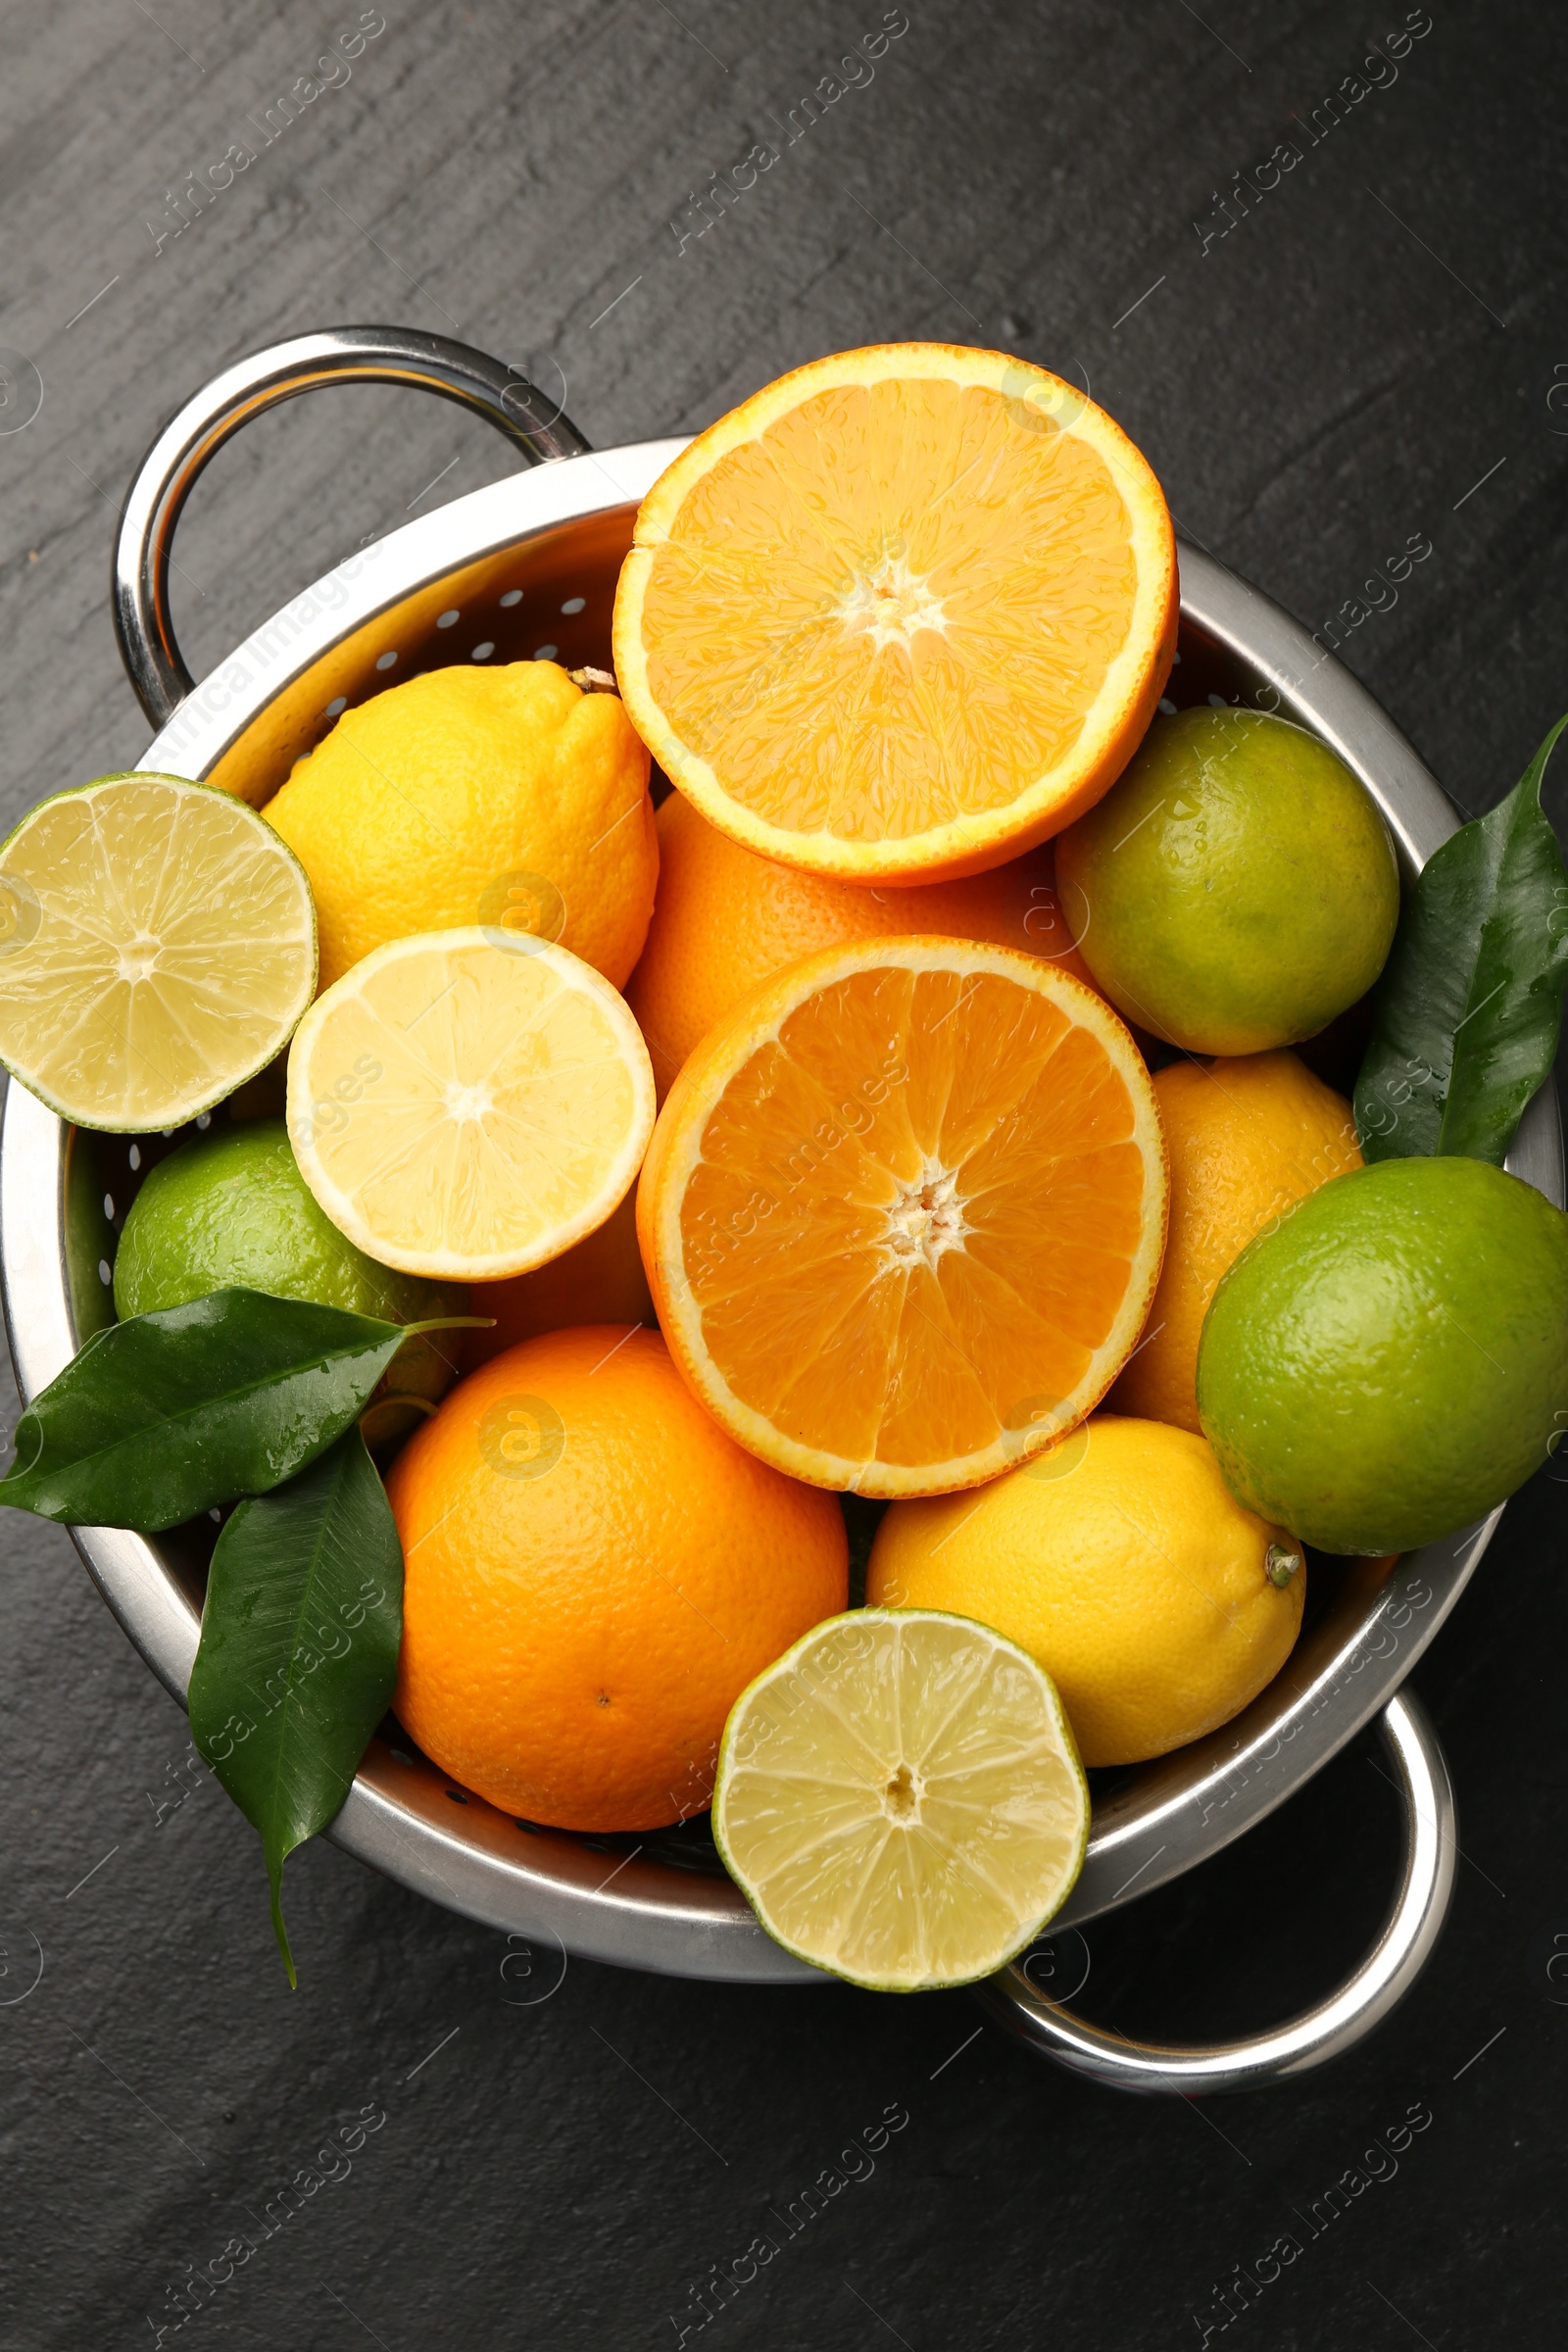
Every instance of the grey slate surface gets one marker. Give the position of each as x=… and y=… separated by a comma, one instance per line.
x=1368, y=354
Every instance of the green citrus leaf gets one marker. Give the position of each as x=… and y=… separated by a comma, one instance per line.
x=1466, y=1016
x=166, y=1415
x=299, y=1650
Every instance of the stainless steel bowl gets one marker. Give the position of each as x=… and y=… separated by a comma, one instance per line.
x=528, y=568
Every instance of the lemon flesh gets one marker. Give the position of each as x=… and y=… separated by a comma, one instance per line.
x=901, y=1800
x=465, y=1108
x=157, y=946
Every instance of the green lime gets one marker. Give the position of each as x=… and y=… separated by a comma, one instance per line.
x=1392, y=1361
x=230, y=1209
x=1236, y=887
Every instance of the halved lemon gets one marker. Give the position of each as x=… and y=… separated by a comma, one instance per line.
x=901, y=1800
x=903, y=1213
x=469, y=1103
x=901, y=614
x=157, y=946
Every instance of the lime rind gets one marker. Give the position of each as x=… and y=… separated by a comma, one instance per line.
x=1391, y=1362
x=989, y=1652
x=1229, y=833
x=181, y=1101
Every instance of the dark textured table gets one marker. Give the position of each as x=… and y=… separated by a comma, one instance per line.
x=1336, y=324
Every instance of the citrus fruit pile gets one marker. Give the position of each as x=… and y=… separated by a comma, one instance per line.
x=908, y=1109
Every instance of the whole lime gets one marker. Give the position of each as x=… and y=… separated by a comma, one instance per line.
x=230, y=1209
x=1392, y=1361
x=1236, y=887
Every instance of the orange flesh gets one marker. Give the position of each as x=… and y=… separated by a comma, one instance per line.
x=895, y=606
x=917, y=1214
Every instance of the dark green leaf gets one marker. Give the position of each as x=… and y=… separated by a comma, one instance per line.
x=163, y=1416
x=1465, y=1020
x=299, y=1650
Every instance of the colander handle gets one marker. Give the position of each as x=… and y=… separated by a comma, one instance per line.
x=341, y=355
x=1361, y=2002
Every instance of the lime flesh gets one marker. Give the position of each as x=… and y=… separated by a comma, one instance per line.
x=1236, y=887
x=900, y=1800
x=1391, y=1363
x=157, y=947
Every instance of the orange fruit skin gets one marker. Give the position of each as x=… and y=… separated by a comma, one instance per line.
x=725, y=920
x=575, y=1637
x=599, y=1280
x=1249, y=1135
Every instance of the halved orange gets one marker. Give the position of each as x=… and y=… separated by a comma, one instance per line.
x=900, y=615
x=903, y=1213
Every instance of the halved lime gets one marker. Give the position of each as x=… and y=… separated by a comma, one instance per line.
x=899, y=1799
x=157, y=947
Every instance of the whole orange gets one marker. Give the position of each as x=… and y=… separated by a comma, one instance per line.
x=1249, y=1137
x=599, y=1280
x=594, y=1574
x=725, y=920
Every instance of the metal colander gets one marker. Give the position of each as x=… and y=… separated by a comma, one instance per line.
x=527, y=569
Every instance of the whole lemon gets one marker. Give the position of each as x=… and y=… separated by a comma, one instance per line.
x=594, y=1574
x=1391, y=1363
x=230, y=1209
x=1236, y=887
x=1157, y=1605
x=725, y=920
x=1247, y=1139
x=501, y=796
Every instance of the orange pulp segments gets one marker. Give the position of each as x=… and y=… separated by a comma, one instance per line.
x=903, y=1214
x=901, y=614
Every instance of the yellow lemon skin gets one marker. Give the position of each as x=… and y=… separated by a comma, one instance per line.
x=1122, y=1564
x=501, y=796
x=1249, y=1135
